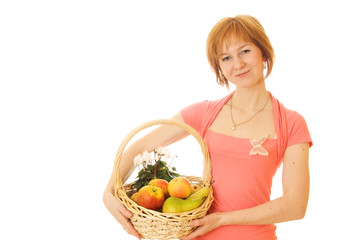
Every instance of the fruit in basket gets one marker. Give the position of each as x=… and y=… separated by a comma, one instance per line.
x=195, y=188
x=154, y=165
x=203, y=192
x=177, y=205
x=151, y=197
x=161, y=183
x=179, y=187
x=134, y=197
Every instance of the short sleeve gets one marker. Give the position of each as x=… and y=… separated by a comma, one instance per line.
x=298, y=130
x=194, y=115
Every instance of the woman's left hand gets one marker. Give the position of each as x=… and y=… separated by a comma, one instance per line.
x=205, y=225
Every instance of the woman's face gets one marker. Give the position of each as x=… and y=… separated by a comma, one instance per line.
x=242, y=64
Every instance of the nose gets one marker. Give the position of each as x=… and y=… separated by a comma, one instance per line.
x=238, y=63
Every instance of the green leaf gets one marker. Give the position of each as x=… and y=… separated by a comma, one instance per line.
x=144, y=175
x=139, y=184
x=174, y=174
x=161, y=170
x=141, y=172
x=150, y=176
x=162, y=163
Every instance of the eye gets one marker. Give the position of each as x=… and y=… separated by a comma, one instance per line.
x=245, y=51
x=225, y=59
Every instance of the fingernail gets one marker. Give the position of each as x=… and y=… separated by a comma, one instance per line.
x=128, y=214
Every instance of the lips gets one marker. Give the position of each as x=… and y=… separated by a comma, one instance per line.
x=242, y=74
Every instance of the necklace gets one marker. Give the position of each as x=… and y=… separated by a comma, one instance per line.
x=231, y=114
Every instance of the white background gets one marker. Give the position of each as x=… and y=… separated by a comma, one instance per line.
x=78, y=76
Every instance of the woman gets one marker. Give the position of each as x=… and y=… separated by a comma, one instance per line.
x=249, y=134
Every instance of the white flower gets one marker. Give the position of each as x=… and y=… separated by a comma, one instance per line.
x=159, y=150
x=143, y=159
x=138, y=160
x=146, y=158
x=156, y=158
x=163, y=151
x=167, y=153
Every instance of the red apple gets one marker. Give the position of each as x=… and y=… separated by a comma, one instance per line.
x=151, y=197
x=179, y=187
x=160, y=183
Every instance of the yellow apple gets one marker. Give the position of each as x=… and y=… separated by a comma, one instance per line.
x=179, y=187
x=160, y=183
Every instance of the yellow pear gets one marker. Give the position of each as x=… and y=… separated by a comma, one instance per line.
x=203, y=192
x=176, y=205
x=195, y=188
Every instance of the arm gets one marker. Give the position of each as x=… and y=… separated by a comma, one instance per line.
x=161, y=136
x=291, y=206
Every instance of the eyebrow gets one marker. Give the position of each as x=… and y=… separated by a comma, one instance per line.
x=242, y=46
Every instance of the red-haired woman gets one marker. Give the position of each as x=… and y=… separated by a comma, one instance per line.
x=249, y=134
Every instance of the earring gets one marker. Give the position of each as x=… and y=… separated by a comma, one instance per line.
x=264, y=65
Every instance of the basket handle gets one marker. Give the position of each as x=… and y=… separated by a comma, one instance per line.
x=207, y=164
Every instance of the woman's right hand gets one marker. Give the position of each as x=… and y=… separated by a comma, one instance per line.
x=162, y=136
x=120, y=213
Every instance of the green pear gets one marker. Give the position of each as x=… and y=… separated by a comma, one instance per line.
x=176, y=205
x=203, y=192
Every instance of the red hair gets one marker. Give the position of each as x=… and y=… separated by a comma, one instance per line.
x=229, y=30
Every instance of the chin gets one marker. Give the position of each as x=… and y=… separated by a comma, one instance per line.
x=245, y=85
x=248, y=83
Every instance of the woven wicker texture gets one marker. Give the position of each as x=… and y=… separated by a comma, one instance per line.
x=153, y=224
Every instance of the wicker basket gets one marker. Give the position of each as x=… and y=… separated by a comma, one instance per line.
x=153, y=224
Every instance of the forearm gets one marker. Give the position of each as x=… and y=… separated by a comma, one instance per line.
x=160, y=137
x=292, y=206
x=296, y=187
x=126, y=167
x=278, y=210
x=127, y=163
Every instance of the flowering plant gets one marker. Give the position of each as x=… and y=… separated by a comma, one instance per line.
x=154, y=165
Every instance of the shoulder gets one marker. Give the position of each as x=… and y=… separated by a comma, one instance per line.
x=205, y=105
x=293, y=118
x=297, y=128
x=291, y=124
x=199, y=114
x=290, y=116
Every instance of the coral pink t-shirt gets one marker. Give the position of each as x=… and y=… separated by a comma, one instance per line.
x=243, y=168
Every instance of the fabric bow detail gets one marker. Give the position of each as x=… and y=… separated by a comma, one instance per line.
x=257, y=146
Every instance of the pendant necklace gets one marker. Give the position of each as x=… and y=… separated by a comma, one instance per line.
x=238, y=124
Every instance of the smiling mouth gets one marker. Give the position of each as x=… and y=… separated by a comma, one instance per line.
x=242, y=74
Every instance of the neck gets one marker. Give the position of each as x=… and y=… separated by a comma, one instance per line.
x=250, y=99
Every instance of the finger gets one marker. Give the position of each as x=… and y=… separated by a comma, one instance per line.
x=195, y=223
x=188, y=237
x=125, y=211
x=131, y=230
x=113, y=205
x=196, y=233
x=121, y=214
